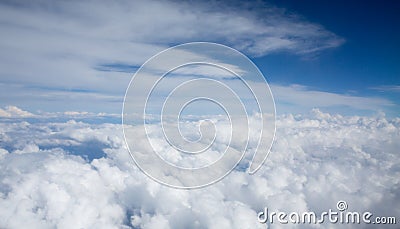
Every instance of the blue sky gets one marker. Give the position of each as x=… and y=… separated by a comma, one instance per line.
x=339, y=57
x=370, y=55
x=366, y=64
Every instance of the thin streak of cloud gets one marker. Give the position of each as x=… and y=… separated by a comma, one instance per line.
x=301, y=96
x=387, y=88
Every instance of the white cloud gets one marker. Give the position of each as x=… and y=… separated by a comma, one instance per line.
x=14, y=112
x=50, y=48
x=299, y=98
x=58, y=191
x=387, y=88
x=317, y=159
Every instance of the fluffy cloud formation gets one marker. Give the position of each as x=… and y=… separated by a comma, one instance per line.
x=14, y=112
x=52, y=176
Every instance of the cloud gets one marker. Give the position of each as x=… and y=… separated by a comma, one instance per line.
x=58, y=191
x=300, y=98
x=64, y=46
x=387, y=88
x=316, y=160
x=14, y=112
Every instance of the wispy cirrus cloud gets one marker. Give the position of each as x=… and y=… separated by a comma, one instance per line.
x=387, y=88
x=88, y=45
x=302, y=98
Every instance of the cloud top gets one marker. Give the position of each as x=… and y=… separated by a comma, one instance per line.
x=316, y=160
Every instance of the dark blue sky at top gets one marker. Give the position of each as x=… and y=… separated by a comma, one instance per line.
x=370, y=56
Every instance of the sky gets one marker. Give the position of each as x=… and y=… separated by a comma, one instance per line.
x=365, y=64
x=66, y=159
x=80, y=56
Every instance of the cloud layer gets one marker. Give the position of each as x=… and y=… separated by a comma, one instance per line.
x=51, y=176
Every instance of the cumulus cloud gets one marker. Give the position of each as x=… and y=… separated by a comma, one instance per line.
x=14, y=112
x=317, y=159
